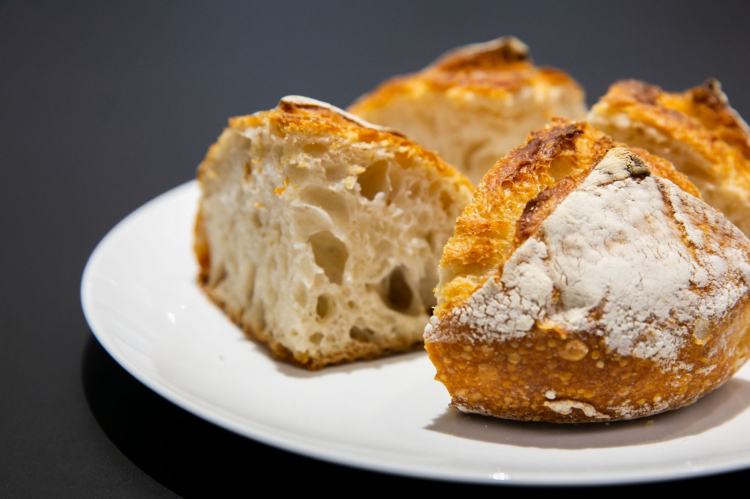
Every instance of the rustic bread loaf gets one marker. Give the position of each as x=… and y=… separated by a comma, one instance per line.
x=320, y=234
x=475, y=103
x=586, y=282
x=696, y=130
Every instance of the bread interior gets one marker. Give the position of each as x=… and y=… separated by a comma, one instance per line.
x=472, y=134
x=323, y=245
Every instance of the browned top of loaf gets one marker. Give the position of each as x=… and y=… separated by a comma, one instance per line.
x=700, y=116
x=518, y=193
x=301, y=115
x=498, y=68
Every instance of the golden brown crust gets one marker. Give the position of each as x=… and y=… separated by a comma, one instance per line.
x=486, y=233
x=709, y=105
x=201, y=248
x=498, y=68
x=549, y=370
x=486, y=56
x=538, y=209
x=296, y=104
x=697, y=130
x=296, y=114
x=700, y=117
x=513, y=378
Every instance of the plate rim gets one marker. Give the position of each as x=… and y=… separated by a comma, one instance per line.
x=269, y=437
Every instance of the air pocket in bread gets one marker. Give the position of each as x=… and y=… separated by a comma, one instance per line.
x=320, y=234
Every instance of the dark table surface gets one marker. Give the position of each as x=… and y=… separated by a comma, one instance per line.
x=105, y=105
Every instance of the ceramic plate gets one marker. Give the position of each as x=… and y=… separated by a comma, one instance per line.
x=141, y=300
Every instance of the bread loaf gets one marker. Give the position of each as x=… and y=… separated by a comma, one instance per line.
x=588, y=282
x=320, y=234
x=475, y=103
x=696, y=130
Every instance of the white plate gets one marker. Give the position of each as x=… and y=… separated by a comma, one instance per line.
x=141, y=300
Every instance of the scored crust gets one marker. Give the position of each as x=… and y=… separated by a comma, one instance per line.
x=500, y=68
x=474, y=103
x=587, y=282
x=696, y=130
x=485, y=234
x=285, y=150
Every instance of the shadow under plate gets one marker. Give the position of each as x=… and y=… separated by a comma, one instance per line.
x=194, y=458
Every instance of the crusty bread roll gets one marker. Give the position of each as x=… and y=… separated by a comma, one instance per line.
x=320, y=234
x=696, y=130
x=475, y=103
x=586, y=283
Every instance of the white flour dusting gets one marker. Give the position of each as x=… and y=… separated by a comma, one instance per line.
x=565, y=407
x=630, y=246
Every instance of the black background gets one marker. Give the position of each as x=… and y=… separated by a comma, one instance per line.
x=105, y=105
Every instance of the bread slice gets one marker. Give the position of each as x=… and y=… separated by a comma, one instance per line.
x=696, y=130
x=320, y=234
x=475, y=103
x=596, y=288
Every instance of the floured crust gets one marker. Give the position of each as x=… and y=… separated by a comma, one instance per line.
x=499, y=68
x=697, y=130
x=510, y=380
x=486, y=232
x=621, y=296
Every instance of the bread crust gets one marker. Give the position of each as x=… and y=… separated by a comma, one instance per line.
x=514, y=380
x=485, y=234
x=499, y=68
x=302, y=114
x=548, y=370
x=699, y=116
x=701, y=121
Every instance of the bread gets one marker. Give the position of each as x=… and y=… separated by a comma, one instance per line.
x=587, y=282
x=475, y=103
x=696, y=130
x=320, y=234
